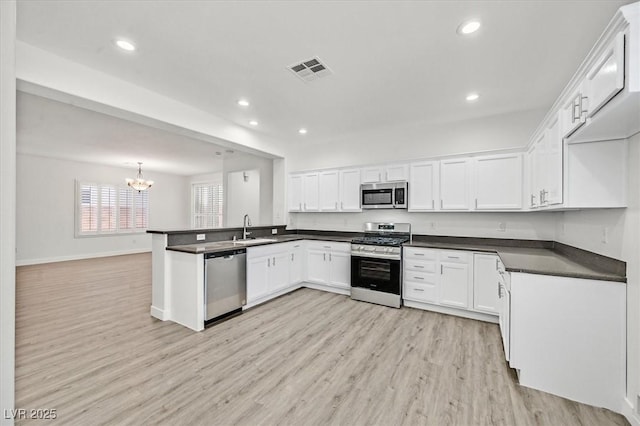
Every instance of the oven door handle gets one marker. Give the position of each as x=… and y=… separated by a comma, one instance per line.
x=392, y=258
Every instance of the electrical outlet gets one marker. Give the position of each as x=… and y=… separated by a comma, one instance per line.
x=502, y=226
x=274, y=231
x=200, y=237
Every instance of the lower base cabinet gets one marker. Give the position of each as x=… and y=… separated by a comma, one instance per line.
x=449, y=281
x=329, y=263
x=568, y=337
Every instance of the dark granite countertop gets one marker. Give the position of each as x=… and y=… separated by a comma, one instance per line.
x=534, y=260
x=220, y=246
x=526, y=256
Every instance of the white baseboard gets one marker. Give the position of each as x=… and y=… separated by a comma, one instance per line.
x=629, y=413
x=328, y=288
x=451, y=311
x=159, y=313
x=25, y=262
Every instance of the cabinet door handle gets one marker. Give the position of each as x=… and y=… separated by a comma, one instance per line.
x=292, y=257
x=418, y=278
x=274, y=261
x=336, y=205
x=305, y=206
x=441, y=270
x=299, y=206
x=418, y=289
x=418, y=266
x=453, y=257
x=533, y=200
x=324, y=256
x=441, y=205
x=386, y=175
x=419, y=254
x=584, y=108
x=433, y=204
x=268, y=262
x=496, y=264
x=476, y=203
x=499, y=291
x=341, y=205
x=329, y=257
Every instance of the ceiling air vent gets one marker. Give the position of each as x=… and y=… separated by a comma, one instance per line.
x=311, y=69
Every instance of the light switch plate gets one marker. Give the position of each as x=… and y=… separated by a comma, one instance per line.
x=200, y=237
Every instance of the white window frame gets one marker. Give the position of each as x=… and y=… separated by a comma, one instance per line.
x=220, y=218
x=119, y=230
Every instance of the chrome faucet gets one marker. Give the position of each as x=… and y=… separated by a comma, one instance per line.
x=246, y=222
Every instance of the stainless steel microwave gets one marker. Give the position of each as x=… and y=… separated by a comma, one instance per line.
x=384, y=195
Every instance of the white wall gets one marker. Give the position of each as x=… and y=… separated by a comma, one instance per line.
x=416, y=140
x=264, y=166
x=47, y=185
x=584, y=229
x=7, y=206
x=243, y=197
x=534, y=226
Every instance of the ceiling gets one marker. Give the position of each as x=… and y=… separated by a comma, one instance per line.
x=88, y=136
x=393, y=62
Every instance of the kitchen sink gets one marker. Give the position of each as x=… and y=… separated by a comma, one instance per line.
x=255, y=241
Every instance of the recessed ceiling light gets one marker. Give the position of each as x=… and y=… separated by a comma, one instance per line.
x=125, y=45
x=468, y=27
x=472, y=97
x=302, y=131
x=253, y=123
x=243, y=102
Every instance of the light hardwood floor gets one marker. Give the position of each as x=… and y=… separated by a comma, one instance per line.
x=87, y=347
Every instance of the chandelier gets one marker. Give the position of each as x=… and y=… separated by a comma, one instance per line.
x=139, y=183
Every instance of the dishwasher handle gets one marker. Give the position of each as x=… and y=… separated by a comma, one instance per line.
x=227, y=254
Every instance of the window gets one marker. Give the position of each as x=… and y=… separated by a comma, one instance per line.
x=208, y=204
x=104, y=209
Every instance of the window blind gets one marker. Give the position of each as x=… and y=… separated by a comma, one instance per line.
x=208, y=205
x=110, y=209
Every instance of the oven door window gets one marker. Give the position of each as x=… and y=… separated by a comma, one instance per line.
x=376, y=274
x=376, y=197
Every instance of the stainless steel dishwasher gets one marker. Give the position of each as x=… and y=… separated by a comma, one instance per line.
x=225, y=290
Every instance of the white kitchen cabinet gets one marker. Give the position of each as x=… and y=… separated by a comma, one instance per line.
x=329, y=190
x=311, y=196
x=423, y=185
x=568, y=337
x=295, y=192
x=606, y=77
x=257, y=278
x=350, y=190
x=296, y=269
x=329, y=263
x=546, y=159
x=268, y=270
x=389, y=173
x=454, y=184
x=573, y=112
x=454, y=284
x=553, y=160
x=498, y=182
x=486, y=283
x=420, y=277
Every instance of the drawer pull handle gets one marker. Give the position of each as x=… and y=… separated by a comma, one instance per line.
x=418, y=278
x=418, y=289
x=453, y=257
x=418, y=266
x=419, y=254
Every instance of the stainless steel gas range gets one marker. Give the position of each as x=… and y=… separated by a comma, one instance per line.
x=376, y=263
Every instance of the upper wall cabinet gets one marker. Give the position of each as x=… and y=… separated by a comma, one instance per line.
x=303, y=192
x=606, y=78
x=326, y=191
x=602, y=101
x=350, y=190
x=389, y=173
x=454, y=184
x=423, y=186
x=498, y=180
